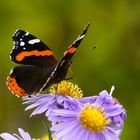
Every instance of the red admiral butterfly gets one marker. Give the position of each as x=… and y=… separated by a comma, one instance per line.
x=39, y=68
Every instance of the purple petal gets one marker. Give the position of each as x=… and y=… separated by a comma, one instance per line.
x=63, y=132
x=75, y=132
x=92, y=136
x=25, y=135
x=7, y=136
x=63, y=125
x=110, y=135
x=114, y=110
x=91, y=99
x=42, y=108
x=32, y=106
x=81, y=133
x=65, y=112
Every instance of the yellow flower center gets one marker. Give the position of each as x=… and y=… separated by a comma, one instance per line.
x=93, y=118
x=44, y=138
x=47, y=138
x=65, y=88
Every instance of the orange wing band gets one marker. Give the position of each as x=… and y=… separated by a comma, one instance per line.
x=13, y=86
x=22, y=55
x=72, y=50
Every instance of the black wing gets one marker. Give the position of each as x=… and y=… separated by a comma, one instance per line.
x=29, y=50
x=27, y=80
x=62, y=66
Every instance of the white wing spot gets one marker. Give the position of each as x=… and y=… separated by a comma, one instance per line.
x=15, y=32
x=11, y=71
x=27, y=33
x=24, y=48
x=22, y=43
x=80, y=37
x=10, y=57
x=33, y=41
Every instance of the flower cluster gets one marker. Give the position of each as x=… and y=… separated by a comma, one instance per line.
x=96, y=117
x=23, y=135
x=99, y=117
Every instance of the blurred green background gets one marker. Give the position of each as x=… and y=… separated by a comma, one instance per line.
x=115, y=30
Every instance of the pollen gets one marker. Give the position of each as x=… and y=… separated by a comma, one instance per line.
x=94, y=118
x=66, y=88
x=47, y=138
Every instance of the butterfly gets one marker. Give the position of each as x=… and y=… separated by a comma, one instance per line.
x=39, y=67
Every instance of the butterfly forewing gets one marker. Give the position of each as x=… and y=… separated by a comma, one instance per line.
x=30, y=50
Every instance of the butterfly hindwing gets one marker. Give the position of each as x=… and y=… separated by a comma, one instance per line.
x=27, y=80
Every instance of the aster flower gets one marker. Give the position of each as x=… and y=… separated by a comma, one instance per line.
x=23, y=135
x=97, y=117
x=60, y=94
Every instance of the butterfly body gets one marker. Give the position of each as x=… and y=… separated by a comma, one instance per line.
x=39, y=68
